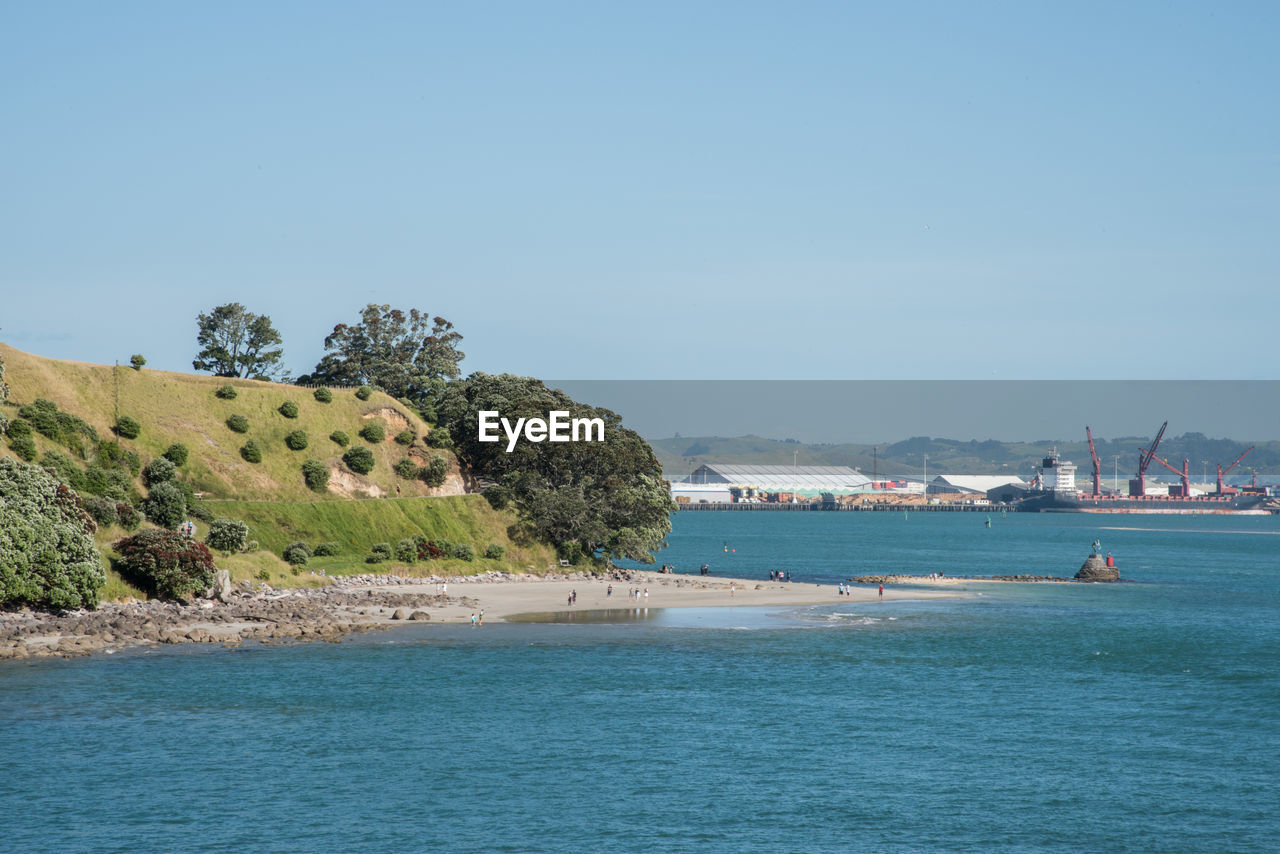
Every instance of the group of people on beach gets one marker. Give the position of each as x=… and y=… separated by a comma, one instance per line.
x=477, y=619
x=779, y=575
x=573, y=597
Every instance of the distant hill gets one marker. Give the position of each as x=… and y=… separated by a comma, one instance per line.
x=679, y=456
x=173, y=407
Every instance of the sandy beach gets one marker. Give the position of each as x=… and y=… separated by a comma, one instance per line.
x=250, y=612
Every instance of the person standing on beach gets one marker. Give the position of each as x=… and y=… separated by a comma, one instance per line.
x=480, y=619
x=731, y=589
x=881, y=591
x=646, y=596
x=608, y=593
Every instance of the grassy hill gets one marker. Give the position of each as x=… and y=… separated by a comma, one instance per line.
x=174, y=407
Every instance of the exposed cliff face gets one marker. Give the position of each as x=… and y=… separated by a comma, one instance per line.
x=1095, y=569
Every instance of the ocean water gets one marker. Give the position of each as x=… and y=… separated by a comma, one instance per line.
x=1141, y=716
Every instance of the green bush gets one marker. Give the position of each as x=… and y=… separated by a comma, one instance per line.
x=296, y=554
x=434, y=472
x=323, y=395
x=24, y=447
x=128, y=517
x=103, y=510
x=288, y=409
x=18, y=428
x=177, y=454
x=238, y=424
x=297, y=440
x=158, y=470
x=227, y=535
x=137, y=360
x=113, y=454
x=47, y=555
x=406, y=469
x=165, y=506
x=364, y=392
x=340, y=438
x=174, y=565
x=497, y=495
x=373, y=432
x=226, y=392
x=127, y=427
x=113, y=483
x=464, y=551
x=379, y=553
x=405, y=437
x=439, y=438
x=495, y=551
x=406, y=550
x=251, y=452
x=325, y=550
x=64, y=469
x=316, y=475
x=359, y=460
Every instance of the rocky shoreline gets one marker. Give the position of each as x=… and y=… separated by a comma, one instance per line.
x=245, y=612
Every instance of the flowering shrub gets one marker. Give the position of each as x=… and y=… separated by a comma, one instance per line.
x=174, y=565
x=227, y=535
x=47, y=555
x=158, y=471
x=128, y=517
x=432, y=549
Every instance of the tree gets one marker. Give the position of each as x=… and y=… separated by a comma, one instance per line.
x=237, y=343
x=580, y=496
x=409, y=356
x=47, y=555
x=177, y=566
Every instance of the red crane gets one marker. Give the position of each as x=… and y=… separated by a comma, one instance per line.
x=1185, y=474
x=1145, y=456
x=1097, y=465
x=1228, y=469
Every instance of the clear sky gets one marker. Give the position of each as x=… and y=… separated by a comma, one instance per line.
x=702, y=190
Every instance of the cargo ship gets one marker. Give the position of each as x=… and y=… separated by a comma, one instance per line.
x=1054, y=490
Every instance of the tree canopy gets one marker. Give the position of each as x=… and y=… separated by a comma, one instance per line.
x=47, y=555
x=593, y=496
x=408, y=356
x=236, y=342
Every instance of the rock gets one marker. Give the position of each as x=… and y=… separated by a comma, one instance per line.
x=400, y=614
x=419, y=615
x=1095, y=569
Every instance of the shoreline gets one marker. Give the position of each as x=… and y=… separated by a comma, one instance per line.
x=256, y=612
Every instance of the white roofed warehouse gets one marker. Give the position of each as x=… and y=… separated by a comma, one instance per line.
x=776, y=483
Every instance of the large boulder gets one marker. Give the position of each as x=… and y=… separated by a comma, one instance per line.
x=1095, y=569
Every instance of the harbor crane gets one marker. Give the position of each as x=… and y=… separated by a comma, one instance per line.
x=1185, y=474
x=1223, y=472
x=1145, y=456
x=1097, y=464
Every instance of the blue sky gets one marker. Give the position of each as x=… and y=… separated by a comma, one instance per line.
x=654, y=190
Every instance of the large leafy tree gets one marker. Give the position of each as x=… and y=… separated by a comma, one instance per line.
x=606, y=496
x=236, y=342
x=408, y=355
x=47, y=554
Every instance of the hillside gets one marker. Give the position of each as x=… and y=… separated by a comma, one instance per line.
x=173, y=407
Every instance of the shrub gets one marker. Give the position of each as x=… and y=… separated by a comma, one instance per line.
x=64, y=469
x=18, y=428
x=379, y=553
x=497, y=495
x=406, y=469
x=103, y=510
x=47, y=555
x=405, y=437
x=340, y=438
x=128, y=517
x=495, y=551
x=464, y=551
x=406, y=550
x=158, y=470
x=439, y=438
x=373, y=432
x=176, y=566
x=165, y=506
x=197, y=510
x=137, y=360
x=364, y=392
x=127, y=427
x=227, y=535
x=226, y=392
x=238, y=424
x=297, y=440
x=433, y=549
x=115, y=454
x=251, y=452
x=316, y=475
x=288, y=409
x=24, y=447
x=325, y=550
x=359, y=460
x=434, y=472
x=113, y=483
x=177, y=454
x=323, y=395
x=296, y=554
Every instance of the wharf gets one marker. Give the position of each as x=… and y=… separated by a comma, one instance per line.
x=841, y=508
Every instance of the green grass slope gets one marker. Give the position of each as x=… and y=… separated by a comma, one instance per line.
x=173, y=407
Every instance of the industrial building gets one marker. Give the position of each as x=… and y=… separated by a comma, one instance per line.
x=972, y=484
x=724, y=482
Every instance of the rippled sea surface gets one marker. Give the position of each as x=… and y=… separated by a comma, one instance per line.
x=1141, y=716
